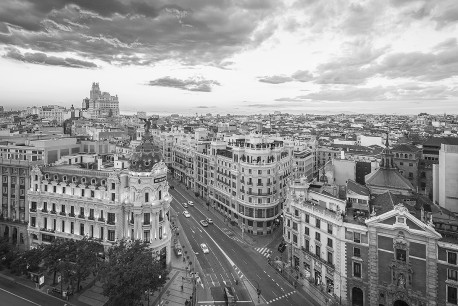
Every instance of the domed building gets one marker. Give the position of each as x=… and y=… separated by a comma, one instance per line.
x=120, y=199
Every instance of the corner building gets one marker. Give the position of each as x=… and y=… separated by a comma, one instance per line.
x=248, y=179
x=67, y=201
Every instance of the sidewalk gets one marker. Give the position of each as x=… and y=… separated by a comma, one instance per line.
x=46, y=288
x=256, y=241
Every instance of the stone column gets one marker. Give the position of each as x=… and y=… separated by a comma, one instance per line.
x=431, y=272
x=373, y=267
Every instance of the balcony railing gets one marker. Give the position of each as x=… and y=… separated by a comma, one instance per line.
x=81, y=217
x=44, y=210
x=33, y=209
x=101, y=219
x=111, y=222
x=62, y=213
x=325, y=262
x=53, y=212
x=91, y=218
x=71, y=215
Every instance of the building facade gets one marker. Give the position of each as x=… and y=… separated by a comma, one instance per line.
x=70, y=202
x=100, y=104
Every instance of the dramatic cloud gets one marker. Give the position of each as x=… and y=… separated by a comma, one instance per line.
x=191, y=84
x=42, y=58
x=136, y=32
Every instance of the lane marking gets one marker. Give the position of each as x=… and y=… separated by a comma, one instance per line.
x=20, y=297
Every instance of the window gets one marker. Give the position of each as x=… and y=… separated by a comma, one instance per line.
x=111, y=235
x=82, y=192
x=294, y=238
x=357, y=252
x=452, y=295
x=318, y=223
x=318, y=251
x=357, y=237
x=410, y=164
x=91, y=213
x=81, y=211
x=113, y=197
x=82, y=229
x=101, y=232
x=452, y=274
x=72, y=226
x=330, y=242
x=92, y=193
x=329, y=228
x=146, y=236
x=146, y=197
x=45, y=221
x=54, y=189
x=111, y=218
x=356, y=269
x=146, y=218
x=317, y=236
x=307, y=218
x=401, y=255
x=307, y=231
x=306, y=245
x=33, y=221
x=295, y=226
x=330, y=258
x=63, y=226
x=113, y=186
x=401, y=163
x=72, y=210
x=451, y=258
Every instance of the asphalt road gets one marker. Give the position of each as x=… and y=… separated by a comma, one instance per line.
x=253, y=265
x=19, y=295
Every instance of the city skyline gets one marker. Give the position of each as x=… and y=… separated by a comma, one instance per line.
x=234, y=57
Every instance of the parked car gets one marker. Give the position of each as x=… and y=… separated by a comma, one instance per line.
x=209, y=221
x=172, y=187
x=186, y=214
x=185, y=205
x=190, y=203
x=204, y=223
x=204, y=248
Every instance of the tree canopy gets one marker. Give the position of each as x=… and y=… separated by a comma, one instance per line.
x=130, y=271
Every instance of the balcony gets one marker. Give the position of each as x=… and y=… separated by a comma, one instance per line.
x=323, y=261
x=91, y=218
x=101, y=219
x=44, y=210
x=81, y=217
x=111, y=222
x=33, y=209
x=259, y=184
x=250, y=183
x=71, y=215
x=62, y=213
x=53, y=212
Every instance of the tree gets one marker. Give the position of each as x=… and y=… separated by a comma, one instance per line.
x=75, y=260
x=28, y=261
x=130, y=271
x=7, y=253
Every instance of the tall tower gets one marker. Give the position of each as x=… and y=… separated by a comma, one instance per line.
x=95, y=92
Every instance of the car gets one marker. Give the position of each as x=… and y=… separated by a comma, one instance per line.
x=204, y=248
x=204, y=223
x=185, y=205
x=190, y=203
x=209, y=221
x=186, y=214
x=172, y=187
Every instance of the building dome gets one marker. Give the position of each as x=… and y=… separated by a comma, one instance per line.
x=146, y=155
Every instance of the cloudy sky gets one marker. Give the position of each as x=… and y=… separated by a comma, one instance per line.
x=233, y=56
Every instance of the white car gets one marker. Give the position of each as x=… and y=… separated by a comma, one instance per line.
x=190, y=203
x=186, y=214
x=185, y=205
x=204, y=248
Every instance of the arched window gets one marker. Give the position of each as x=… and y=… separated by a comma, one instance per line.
x=357, y=297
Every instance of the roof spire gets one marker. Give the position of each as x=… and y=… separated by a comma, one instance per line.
x=387, y=144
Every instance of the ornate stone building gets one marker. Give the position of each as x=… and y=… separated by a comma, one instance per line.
x=67, y=201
